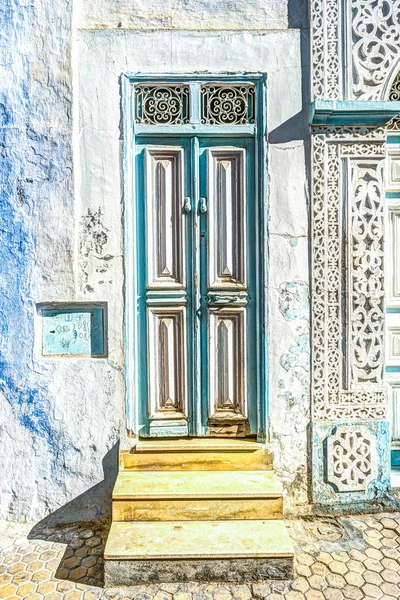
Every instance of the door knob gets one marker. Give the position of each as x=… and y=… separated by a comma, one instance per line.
x=187, y=205
x=203, y=205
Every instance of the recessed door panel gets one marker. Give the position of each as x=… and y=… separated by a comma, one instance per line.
x=167, y=362
x=227, y=362
x=165, y=218
x=226, y=183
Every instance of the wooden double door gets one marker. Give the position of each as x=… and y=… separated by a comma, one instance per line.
x=197, y=266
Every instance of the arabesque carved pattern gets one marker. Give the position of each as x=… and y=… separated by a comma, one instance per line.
x=376, y=45
x=352, y=388
x=366, y=310
x=369, y=32
x=325, y=49
x=351, y=459
x=394, y=93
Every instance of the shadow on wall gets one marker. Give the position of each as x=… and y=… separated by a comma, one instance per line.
x=298, y=126
x=82, y=524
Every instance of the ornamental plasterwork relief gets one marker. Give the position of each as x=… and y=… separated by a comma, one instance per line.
x=394, y=93
x=347, y=237
x=375, y=45
x=351, y=458
x=325, y=49
x=368, y=31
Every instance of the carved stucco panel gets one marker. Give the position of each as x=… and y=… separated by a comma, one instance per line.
x=348, y=340
x=375, y=46
x=355, y=48
x=351, y=458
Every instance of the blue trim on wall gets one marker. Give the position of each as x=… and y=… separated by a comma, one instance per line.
x=352, y=112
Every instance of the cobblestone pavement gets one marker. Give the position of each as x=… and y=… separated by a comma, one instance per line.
x=352, y=558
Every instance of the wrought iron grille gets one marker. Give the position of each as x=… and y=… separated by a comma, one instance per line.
x=161, y=104
x=227, y=104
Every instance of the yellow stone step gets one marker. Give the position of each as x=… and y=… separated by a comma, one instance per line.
x=175, y=540
x=196, y=495
x=201, y=484
x=196, y=454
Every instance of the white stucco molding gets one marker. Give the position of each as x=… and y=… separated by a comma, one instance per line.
x=348, y=280
x=355, y=47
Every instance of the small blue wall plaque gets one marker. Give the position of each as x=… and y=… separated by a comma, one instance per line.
x=73, y=331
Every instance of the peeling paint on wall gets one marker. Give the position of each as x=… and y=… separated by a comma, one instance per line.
x=95, y=261
x=294, y=300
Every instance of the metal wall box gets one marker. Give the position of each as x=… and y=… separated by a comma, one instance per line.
x=75, y=330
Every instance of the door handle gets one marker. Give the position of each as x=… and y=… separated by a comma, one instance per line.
x=203, y=205
x=187, y=205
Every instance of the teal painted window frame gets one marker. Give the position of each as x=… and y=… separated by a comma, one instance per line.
x=131, y=133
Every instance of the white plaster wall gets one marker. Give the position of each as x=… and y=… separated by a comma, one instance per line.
x=61, y=227
x=184, y=14
x=104, y=57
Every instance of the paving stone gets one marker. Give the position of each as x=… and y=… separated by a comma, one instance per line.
x=389, y=523
x=389, y=533
x=42, y=575
x=355, y=566
x=261, y=590
x=352, y=592
x=300, y=584
x=390, y=576
x=47, y=587
x=21, y=578
x=241, y=592
x=335, y=580
x=357, y=555
x=305, y=559
x=389, y=563
x=373, y=565
x=390, y=589
x=332, y=594
x=293, y=595
x=324, y=557
x=373, y=577
x=7, y=591
x=319, y=568
x=317, y=582
x=25, y=589
x=5, y=578
x=314, y=595
x=354, y=579
x=372, y=590
x=374, y=553
x=303, y=570
x=338, y=567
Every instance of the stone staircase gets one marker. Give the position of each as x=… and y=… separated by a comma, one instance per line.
x=197, y=510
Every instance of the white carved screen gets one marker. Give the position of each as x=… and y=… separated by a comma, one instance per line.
x=355, y=48
x=348, y=313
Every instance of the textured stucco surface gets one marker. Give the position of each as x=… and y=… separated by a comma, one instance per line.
x=61, y=227
x=104, y=56
x=58, y=418
x=192, y=14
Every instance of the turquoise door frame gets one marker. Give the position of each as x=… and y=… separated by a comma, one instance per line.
x=196, y=140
